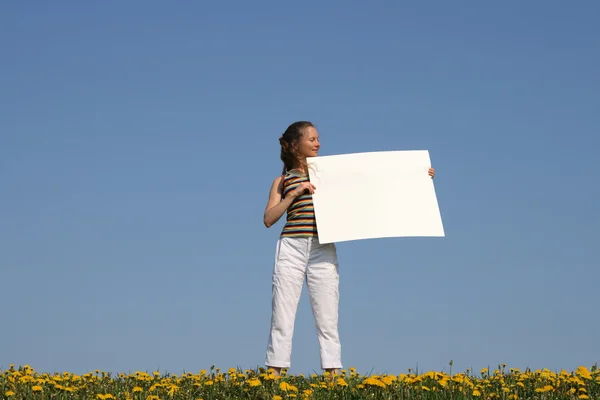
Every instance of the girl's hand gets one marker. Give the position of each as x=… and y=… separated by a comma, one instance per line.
x=431, y=172
x=304, y=186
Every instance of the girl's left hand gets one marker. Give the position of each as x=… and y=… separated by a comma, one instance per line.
x=431, y=172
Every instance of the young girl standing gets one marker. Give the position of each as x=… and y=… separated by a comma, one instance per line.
x=300, y=256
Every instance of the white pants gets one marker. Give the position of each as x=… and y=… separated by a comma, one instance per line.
x=297, y=259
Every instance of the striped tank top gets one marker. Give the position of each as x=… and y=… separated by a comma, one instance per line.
x=301, y=220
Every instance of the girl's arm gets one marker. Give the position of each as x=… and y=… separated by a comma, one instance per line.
x=275, y=206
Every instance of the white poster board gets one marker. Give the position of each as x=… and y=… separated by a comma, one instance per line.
x=374, y=195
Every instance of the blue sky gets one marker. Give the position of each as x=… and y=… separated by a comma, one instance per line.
x=138, y=142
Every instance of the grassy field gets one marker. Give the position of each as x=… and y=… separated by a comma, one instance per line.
x=502, y=383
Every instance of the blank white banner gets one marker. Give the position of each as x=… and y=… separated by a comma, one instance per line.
x=374, y=195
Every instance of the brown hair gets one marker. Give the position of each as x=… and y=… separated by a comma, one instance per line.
x=291, y=137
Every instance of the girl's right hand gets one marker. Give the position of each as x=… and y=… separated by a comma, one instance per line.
x=304, y=186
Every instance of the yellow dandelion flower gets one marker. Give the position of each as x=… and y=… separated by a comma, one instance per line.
x=545, y=389
x=208, y=383
x=137, y=389
x=277, y=397
x=37, y=388
x=286, y=386
x=476, y=392
x=341, y=382
x=583, y=372
x=254, y=382
x=372, y=381
x=9, y=393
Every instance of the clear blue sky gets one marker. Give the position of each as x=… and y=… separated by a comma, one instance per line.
x=138, y=142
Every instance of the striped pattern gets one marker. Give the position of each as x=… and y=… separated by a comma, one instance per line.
x=301, y=220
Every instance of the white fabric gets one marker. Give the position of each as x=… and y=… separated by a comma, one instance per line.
x=297, y=259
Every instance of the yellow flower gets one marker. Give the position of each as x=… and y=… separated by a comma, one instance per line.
x=277, y=397
x=286, y=386
x=37, y=388
x=341, y=382
x=137, y=389
x=254, y=382
x=583, y=372
x=374, y=382
x=9, y=393
x=545, y=389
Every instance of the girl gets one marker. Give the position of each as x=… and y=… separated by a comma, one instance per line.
x=299, y=255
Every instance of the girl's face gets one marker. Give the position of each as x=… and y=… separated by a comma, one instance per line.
x=308, y=146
